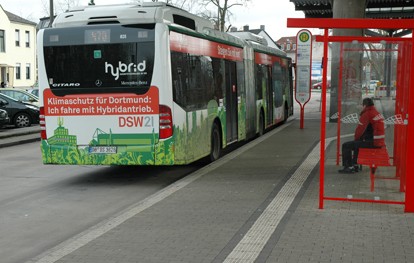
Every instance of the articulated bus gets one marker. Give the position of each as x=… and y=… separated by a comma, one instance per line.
x=152, y=84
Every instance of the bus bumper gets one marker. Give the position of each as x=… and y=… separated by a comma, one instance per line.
x=159, y=154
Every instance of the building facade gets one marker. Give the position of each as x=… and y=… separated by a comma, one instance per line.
x=17, y=50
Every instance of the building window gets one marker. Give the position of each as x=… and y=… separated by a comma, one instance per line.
x=27, y=70
x=2, y=42
x=288, y=46
x=294, y=46
x=27, y=34
x=18, y=70
x=17, y=34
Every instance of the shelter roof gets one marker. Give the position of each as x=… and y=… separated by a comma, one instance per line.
x=374, y=8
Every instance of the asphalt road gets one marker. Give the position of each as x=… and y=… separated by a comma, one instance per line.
x=42, y=206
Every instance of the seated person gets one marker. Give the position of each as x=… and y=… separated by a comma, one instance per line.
x=370, y=133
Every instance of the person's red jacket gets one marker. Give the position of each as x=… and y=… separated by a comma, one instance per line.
x=370, y=115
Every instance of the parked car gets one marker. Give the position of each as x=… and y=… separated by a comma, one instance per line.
x=373, y=84
x=21, y=95
x=318, y=85
x=4, y=118
x=34, y=91
x=20, y=114
x=381, y=92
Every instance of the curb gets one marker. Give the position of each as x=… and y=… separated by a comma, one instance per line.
x=16, y=136
x=19, y=141
x=8, y=135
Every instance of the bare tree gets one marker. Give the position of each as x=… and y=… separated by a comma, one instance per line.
x=45, y=7
x=65, y=5
x=223, y=10
x=188, y=5
x=218, y=11
x=60, y=6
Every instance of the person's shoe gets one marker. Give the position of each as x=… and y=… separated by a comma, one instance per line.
x=347, y=170
x=356, y=168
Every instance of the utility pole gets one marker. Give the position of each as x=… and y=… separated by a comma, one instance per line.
x=51, y=13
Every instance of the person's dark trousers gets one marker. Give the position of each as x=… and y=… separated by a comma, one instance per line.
x=350, y=151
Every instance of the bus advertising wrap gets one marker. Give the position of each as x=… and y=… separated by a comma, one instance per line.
x=116, y=113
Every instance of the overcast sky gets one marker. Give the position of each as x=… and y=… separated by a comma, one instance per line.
x=270, y=13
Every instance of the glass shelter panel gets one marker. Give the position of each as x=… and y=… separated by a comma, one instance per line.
x=361, y=70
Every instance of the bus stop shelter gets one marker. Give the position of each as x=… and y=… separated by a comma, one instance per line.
x=398, y=51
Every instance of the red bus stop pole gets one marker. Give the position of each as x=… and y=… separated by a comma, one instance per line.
x=302, y=115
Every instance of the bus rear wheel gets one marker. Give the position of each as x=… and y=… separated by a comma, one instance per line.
x=261, y=124
x=286, y=114
x=215, y=143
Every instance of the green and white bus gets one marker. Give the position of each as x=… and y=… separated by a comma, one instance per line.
x=152, y=84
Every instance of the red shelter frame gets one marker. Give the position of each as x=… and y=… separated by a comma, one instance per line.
x=404, y=138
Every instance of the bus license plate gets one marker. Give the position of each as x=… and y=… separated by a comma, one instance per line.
x=102, y=149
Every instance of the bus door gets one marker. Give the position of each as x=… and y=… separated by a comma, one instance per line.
x=269, y=96
x=231, y=101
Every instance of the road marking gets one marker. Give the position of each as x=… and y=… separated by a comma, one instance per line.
x=65, y=248
x=253, y=242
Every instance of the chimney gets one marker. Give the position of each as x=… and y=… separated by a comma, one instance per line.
x=246, y=28
x=262, y=27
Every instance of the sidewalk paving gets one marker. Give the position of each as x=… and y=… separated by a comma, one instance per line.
x=256, y=204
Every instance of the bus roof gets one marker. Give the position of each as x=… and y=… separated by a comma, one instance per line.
x=145, y=13
x=259, y=43
x=156, y=12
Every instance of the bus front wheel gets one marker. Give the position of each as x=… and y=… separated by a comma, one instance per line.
x=215, y=143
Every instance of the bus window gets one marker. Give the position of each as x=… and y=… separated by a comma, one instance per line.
x=286, y=81
x=107, y=63
x=184, y=21
x=179, y=76
x=260, y=74
x=218, y=75
x=192, y=80
x=278, y=80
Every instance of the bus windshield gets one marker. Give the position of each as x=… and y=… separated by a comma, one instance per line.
x=99, y=59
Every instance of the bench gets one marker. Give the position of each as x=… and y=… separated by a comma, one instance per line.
x=373, y=157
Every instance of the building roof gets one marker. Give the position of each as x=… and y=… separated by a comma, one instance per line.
x=257, y=32
x=374, y=8
x=291, y=39
x=286, y=39
x=17, y=19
